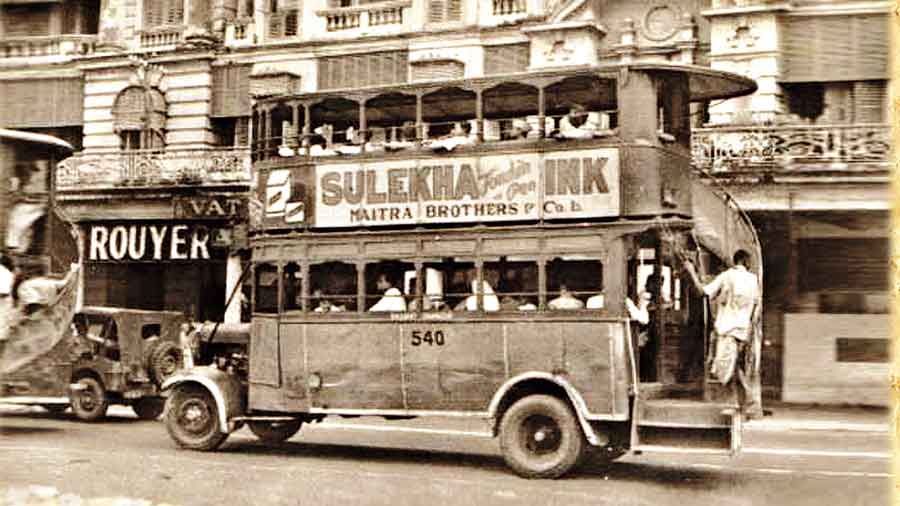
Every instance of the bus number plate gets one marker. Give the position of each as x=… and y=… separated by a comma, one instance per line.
x=435, y=338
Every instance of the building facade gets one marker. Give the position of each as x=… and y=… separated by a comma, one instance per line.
x=157, y=97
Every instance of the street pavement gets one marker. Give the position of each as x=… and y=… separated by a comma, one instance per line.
x=799, y=455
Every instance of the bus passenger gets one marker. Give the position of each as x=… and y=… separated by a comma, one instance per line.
x=459, y=136
x=392, y=300
x=324, y=305
x=575, y=124
x=491, y=302
x=565, y=300
x=596, y=301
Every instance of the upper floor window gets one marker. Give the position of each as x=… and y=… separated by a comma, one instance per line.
x=139, y=118
x=25, y=20
x=163, y=12
x=444, y=11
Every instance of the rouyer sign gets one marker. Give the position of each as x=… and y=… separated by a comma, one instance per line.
x=148, y=242
x=531, y=186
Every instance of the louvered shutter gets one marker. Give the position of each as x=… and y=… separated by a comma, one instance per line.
x=443, y=11
x=26, y=21
x=354, y=71
x=231, y=91
x=438, y=71
x=870, y=101
x=832, y=48
x=242, y=132
x=62, y=103
x=174, y=12
x=506, y=59
x=851, y=265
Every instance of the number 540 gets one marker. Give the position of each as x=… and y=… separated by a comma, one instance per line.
x=435, y=338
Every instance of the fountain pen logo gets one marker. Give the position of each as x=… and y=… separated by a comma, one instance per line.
x=283, y=199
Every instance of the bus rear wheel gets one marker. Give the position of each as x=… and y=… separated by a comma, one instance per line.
x=274, y=432
x=540, y=437
x=192, y=419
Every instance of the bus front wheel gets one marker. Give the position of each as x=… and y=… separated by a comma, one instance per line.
x=192, y=419
x=274, y=432
x=540, y=437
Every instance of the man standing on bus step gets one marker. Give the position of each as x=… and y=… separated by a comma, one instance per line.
x=737, y=295
x=392, y=300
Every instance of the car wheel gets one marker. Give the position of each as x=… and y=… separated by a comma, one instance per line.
x=165, y=360
x=274, y=432
x=192, y=419
x=90, y=403
x=540, y=437
x=148, y=408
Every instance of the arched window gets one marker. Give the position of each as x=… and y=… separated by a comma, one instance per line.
x=139, y=118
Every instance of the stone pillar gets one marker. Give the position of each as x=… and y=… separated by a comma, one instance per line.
x=232, y=278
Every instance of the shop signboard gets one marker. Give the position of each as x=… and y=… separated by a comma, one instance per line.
x=144, y=241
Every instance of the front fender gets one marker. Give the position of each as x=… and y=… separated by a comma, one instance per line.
x=224, y=388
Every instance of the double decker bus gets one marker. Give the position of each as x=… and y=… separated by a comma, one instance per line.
x=42, y=248
x=466, y=249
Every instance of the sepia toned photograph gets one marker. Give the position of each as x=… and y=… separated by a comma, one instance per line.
x=428, y=252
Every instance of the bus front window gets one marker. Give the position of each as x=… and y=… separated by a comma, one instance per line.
x=266, y=289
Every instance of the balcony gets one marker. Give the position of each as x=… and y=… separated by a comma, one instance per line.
x=49, y=45
x=509, y=7
x=859, y=148
x=153, y=169
x=156, y=38
x=367, y=15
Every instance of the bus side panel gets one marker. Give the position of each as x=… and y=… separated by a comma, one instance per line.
x=597, y=366
x=265, y=373
x=534, y=346
x=358, y=364
x=453, y=366
x=293, y=367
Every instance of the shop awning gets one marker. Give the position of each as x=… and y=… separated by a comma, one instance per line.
x=41, y=103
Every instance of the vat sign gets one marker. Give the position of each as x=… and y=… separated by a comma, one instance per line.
x=159, y=242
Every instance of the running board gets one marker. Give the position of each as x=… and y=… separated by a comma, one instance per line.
x=687, y=426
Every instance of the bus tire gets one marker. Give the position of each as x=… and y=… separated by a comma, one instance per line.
x=192, y=419
x=540, y=437
x=148, y=408
x=274, y=432
x=90, y=404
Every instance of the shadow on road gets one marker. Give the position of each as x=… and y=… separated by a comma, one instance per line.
x=66, y=417
x=668, y=476
x=13, y=430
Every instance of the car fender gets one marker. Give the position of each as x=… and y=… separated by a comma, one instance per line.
x=224, y=388
x=574, y=397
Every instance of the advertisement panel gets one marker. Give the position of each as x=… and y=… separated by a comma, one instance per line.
x=493, y=188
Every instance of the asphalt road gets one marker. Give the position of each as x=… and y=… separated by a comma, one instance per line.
x=434, y=462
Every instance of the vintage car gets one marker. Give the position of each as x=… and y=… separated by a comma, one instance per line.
x=122, y=356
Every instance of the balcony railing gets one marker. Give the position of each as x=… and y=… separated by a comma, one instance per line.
x=364, y=15
x=51, y=45
x=161, y=37
x=154, y=169
x=507, y=7
x=860, y=147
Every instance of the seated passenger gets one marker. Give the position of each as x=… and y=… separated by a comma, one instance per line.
x=575, y=124
x=326, y=306
x=596, y=302
x=406, y=138
x=520, y=129
x=565, y=300
x=459, y=136
x=392, y=300
x=491, y=302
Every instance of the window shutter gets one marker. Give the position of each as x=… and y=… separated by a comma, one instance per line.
x=507, y=59
x=814, y=46
x=153, y=13
x=62, y=100
x=175, y=12
x=824, y=265
x=26, y=21
x=438, y=71
x=231, y=91
x=242, y=132
x=372, y=69
x=870, y=101
x=443, y=11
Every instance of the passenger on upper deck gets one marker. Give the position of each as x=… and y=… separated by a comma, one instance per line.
x=459, y=136
x=578, y=124
x=490, y=300
x=392, y=300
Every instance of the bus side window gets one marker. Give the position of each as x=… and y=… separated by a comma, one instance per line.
x=332, y=287
x=291, y=286
x=266, y=289
x=456, y=277
x=575, y=282
x=516, y=283
x=384, y=283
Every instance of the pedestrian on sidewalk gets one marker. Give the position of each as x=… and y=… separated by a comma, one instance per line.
x=736, y=294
